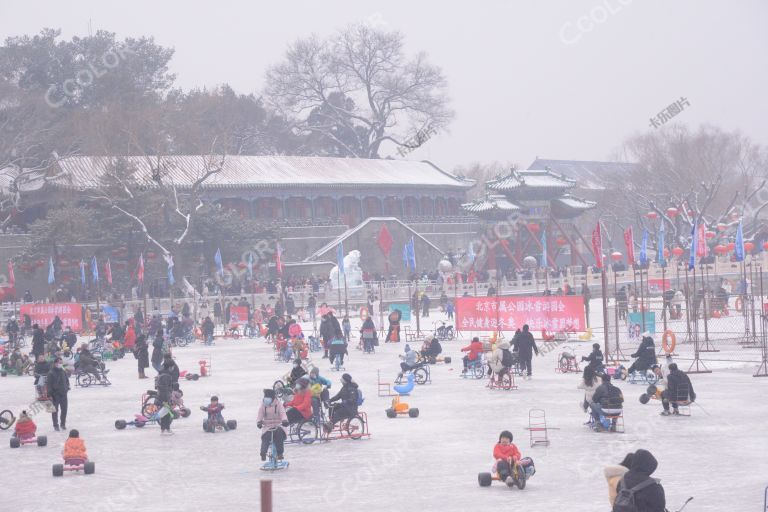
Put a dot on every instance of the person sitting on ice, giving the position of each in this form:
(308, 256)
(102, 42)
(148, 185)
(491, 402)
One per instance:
(25, 427)
(506, 456)
(501, 359)
(74, 447)
(595, 357)
(348, 397)
(409, 360)
(679, 389)
(607, 400)
(431, 348)
(214, 412)
(296, 372)
(646, 355)
(475, 348)
(300, 407)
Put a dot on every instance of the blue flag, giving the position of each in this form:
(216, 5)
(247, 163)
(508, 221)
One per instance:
(544, 249)
(340, 257)
(694, 248)
(739, 250)
(660, 256)
(169, 260)
(405, 255)
(219, 263)
(95, 270)
(250, 265)
(51, 272)
(412, 254)
(82, 272)
(644, 249)
(471, 252)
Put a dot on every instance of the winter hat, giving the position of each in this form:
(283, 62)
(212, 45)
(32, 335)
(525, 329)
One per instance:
(314, 371)
(303, 382)
(407, 347)
(596, 346)
(507, 434)
(297, 362)
(346, 378)
(214, 398)
(672, 367)
(269, 393)
(23, 415)
(74, 433)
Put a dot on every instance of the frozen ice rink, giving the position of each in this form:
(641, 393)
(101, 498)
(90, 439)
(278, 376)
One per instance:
(718, 455)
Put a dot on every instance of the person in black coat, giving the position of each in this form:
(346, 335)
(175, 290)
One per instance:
(679, 389)
(650, 498)
(157, 351)
(38, 341)
(170, 365)
(607, 399)
(347, 397)
(646, 355)
(525, 347)
(58, 387)
(164, 388)
(141, 353)
(595, 358)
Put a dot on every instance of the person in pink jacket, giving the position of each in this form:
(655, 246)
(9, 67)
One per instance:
(272, 421)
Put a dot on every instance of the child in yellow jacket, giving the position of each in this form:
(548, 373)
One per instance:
(74, 447)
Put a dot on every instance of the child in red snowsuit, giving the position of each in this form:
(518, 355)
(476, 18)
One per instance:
(506, 455)
(25, 427)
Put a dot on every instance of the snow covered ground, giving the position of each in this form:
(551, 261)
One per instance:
(718, 455)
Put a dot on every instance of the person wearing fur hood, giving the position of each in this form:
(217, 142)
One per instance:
(613, 475)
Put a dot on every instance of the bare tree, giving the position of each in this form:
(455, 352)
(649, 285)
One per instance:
(357, 90)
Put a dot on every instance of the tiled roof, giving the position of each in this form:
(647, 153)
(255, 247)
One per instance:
(530, 178)
(575, 203)
(490, 202)
(588, 174)
(83, 172)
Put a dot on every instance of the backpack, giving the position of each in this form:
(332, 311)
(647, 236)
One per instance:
(360, 398)
(625, 499)
(506, 358)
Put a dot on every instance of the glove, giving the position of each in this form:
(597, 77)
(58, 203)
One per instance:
(260, 424)
(202, 408)
(285, 423)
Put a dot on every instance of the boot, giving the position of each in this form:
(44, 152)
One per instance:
(141, 374)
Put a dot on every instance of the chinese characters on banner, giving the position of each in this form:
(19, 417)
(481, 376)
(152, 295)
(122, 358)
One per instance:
(657, 285)
(238, 315)
(554, 314)
(71, 314)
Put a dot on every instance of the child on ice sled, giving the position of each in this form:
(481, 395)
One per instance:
(506, 456)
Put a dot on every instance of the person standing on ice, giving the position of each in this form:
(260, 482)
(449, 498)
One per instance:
(141, 353)
(58, 387)
(526, 346)
(164, 389)
(157, 351)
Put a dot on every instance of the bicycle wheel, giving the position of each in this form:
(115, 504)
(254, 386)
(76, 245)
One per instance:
(355, 427)
(450, 334)
(506, 380)
(149, 409)
(306, 431)
(6, 419)
(420, 375)
(84, 379)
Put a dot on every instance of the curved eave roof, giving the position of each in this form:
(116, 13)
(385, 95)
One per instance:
(490, 204)
(531, 179)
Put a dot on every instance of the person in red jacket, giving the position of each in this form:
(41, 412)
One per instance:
(507, 456)
(25, 427)
(475, 348)
(300, 408)
(214, 413)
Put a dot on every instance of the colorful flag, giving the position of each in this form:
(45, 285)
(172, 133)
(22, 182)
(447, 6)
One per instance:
(340, 257)
(544, 249)
(11, 275)
(108, 272)
(694, 248)
(405, 255)
(644, 249)
(597, 246)
(629, 241)
(140, 270)
(702, 250)
(471, 252)
(95, 270)
(82, 272)
(219, 263)
(739, 250)
(412, 254)
(660, 243)
(51, 271)
(169, 260)
(250, 265)
(279, 258)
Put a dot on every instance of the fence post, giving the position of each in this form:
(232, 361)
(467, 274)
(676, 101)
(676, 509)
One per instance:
(762, 370)
(266, 495)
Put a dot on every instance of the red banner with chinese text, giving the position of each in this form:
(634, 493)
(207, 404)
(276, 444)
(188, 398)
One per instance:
(238, 315)
(71, 314)
(555, 313)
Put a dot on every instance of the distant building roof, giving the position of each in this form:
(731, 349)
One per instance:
(569, 206)
(83, 172)
(588, 174)
(490, 202)
(530, 179)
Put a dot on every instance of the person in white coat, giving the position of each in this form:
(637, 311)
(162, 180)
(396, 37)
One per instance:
(589, 383)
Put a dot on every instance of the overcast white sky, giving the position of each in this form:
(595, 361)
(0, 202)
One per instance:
(524, 79)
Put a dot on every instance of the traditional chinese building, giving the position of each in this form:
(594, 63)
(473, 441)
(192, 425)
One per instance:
(533, 212)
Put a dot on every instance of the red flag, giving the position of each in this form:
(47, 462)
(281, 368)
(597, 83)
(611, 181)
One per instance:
(108, 272)
(597, 246)
(385, 244)
(140, 271)
(279, 259)
(629, 241)
(11, 276)
(701, 246)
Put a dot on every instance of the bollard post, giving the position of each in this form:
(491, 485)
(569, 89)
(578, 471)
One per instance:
(266, 495)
